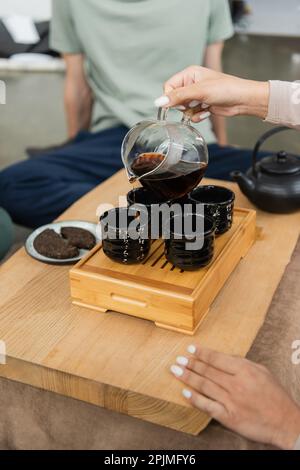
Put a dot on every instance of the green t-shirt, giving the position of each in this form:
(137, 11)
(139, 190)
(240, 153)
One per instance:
(133, 46)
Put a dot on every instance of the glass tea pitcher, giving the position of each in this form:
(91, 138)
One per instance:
(168, 158)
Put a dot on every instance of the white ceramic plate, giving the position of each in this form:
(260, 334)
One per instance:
(57, 226)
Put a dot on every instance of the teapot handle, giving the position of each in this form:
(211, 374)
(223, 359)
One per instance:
(262, 140)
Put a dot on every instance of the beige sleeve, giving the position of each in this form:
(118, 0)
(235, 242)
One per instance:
(284, 104)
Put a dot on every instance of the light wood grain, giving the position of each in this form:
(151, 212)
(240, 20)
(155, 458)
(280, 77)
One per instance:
(118, 361)
(155, 290)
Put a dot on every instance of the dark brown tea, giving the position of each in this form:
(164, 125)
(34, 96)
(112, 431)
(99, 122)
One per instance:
(175, 183)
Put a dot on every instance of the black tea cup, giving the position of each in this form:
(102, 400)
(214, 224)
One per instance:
(218, 204)
(125, 236)
(149, 200)
(190, 250)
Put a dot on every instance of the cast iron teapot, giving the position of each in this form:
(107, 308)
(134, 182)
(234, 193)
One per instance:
(273, 183)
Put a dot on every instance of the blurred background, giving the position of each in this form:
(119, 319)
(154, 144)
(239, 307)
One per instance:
(266, 46)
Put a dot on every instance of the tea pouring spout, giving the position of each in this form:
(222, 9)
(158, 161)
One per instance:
(132, 179)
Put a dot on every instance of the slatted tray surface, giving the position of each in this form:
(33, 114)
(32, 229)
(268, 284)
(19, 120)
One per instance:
(143, 289)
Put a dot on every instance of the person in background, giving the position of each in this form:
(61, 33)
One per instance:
(240, 394)
(117, 54)
(6, 233)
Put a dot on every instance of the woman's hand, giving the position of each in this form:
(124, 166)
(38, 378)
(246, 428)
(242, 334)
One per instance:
(241, 395)
(218, 93)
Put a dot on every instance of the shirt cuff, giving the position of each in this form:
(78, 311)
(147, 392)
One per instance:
(281, 107)
(65, 48)
(277, 97)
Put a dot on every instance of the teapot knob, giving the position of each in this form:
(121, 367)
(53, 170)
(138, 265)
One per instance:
(282, 156)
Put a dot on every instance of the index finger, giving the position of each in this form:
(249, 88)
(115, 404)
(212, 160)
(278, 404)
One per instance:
(221, 361)
(177, 81)
(185, 94)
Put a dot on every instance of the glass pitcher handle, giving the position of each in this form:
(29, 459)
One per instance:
(186, 118)
(187, 115)
(162, 114)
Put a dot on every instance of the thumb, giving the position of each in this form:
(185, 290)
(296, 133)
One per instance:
(181, 96)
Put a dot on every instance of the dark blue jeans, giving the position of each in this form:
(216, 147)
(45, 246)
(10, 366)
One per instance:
(35, 192)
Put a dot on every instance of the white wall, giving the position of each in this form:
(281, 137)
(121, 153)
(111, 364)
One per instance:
(274, 17)
(38, 9)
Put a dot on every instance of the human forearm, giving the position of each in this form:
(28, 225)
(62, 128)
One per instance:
(213, 61)
(78, 109)
(286, 437)
(78, 95)
(253, 99)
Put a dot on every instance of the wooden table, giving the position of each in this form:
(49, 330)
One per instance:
(120, 362)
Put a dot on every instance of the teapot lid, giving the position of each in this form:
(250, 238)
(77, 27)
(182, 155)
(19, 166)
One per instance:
(280, 164)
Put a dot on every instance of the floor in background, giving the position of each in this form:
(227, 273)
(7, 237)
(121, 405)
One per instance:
(34, 114)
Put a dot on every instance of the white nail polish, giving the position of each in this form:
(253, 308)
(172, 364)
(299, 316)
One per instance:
(192, 349)
(182, 361)
(181, 108)
(194, 103)
(205, 106)
(162, 101)
(176, 370)
(205, 116)
(187, 393)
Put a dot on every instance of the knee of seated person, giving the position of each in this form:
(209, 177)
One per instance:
(12, 194)
(7, 182)
(7, 233)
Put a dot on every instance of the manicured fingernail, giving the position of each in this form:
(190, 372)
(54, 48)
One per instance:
(176, 370)
(204, 116)
(187, 393)
(162, 101)
(182, 361)
(205, 106)
(192, 349)
(194, 103)
(181, 108)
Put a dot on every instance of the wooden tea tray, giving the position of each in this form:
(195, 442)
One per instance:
(122, 363)
(155, 290)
